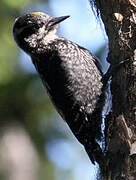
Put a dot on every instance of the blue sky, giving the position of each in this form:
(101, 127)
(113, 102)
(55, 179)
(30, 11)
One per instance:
(82, 27)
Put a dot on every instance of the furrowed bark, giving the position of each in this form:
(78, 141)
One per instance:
(119, 17)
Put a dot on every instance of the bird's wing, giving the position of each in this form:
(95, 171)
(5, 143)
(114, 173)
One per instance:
(95, 60)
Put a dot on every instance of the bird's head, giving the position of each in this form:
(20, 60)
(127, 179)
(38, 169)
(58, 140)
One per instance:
(29, 29)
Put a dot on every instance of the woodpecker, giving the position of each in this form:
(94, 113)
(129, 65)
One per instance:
(71, 75)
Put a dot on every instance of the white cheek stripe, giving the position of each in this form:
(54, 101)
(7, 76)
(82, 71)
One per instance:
(51, 35)
(42, 30)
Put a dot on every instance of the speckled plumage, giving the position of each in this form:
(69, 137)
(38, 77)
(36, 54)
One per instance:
(70, 73)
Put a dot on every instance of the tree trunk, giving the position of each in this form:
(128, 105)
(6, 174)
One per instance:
(119, 17)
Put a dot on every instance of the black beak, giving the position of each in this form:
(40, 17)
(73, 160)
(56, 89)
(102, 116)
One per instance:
(57, 20)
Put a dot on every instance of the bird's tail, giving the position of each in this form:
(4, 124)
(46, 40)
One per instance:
(95, 154)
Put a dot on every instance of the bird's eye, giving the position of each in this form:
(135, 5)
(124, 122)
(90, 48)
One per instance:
(33, 26)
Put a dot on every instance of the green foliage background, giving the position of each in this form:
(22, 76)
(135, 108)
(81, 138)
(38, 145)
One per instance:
(20, 100)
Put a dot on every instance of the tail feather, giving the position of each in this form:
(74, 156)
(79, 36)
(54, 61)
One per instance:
(95, 153)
